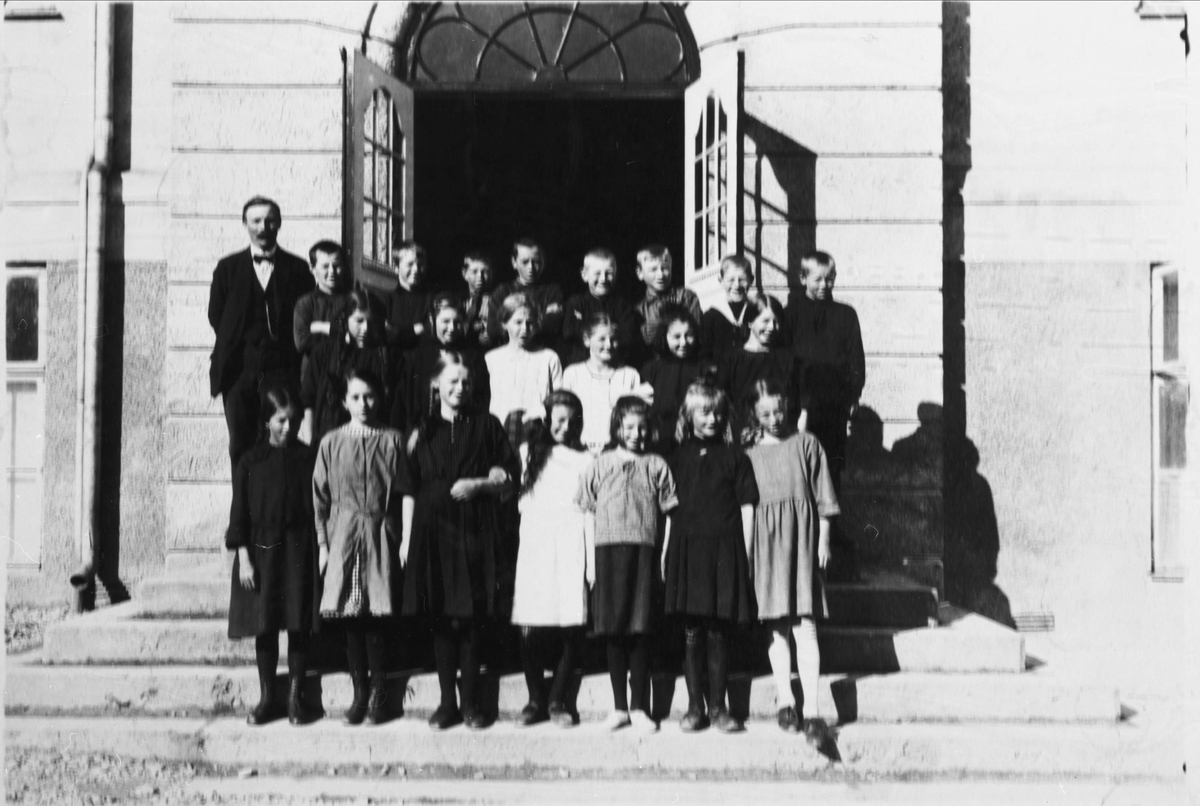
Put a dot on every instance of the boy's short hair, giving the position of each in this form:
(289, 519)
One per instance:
(738, 261)
(476, 256)
(408, 246)
(822, 259)
(654, 251)
(526, 242)
(326, 248)
(600, 253)
(261, 201)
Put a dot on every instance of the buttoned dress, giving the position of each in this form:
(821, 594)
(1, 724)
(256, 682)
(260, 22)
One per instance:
(359, 484)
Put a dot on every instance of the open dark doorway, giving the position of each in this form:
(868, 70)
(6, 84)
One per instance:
(572, 173)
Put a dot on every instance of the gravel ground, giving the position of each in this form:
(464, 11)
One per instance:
(24, 626)
(54, 777)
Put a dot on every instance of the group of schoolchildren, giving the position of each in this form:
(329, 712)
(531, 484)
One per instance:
(447, 436)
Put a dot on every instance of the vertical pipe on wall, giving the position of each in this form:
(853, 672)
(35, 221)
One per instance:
(94, 190)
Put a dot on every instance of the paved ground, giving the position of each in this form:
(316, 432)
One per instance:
(57, 777)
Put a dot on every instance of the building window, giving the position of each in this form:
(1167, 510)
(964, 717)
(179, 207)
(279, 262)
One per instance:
(22, 439)
(1170, 395)
(712, 203)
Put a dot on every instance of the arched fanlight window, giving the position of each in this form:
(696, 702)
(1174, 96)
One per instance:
(576, 45)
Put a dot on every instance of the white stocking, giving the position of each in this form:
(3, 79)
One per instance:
(780, 655)
(808, 663)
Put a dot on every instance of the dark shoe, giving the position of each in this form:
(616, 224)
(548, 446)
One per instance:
(475, 719)
(789, 720)
(376, 704)
(298, 713)
(694, 720)
(560, 716)
(723, 721)
(531, 714)
(816, 732)
(357, 711)
(265, 711)
(445, 717)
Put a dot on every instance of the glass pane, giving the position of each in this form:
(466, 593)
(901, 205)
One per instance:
(369, 231)
(710, 175)
(22, 319)
(698, 240)
(369, 190)
(722, 229)
(710, 239)
(383, 118)
(383, 180)
(1172, 423)
(722, 126)
(1170, 303)
(383, 241)
(722, 174)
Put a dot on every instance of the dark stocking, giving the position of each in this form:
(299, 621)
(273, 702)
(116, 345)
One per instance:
(266, 653)
(468, 662)
(639, 655)
(297, 654)
(531, 663)
(618, 672)
(445, 656)
(718, 666)
(693, 667)
(565, 666)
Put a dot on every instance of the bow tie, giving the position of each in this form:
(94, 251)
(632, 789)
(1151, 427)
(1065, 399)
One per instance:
(263, 259)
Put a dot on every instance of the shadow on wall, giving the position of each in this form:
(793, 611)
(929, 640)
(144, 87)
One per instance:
(895, 514)
(795, 169)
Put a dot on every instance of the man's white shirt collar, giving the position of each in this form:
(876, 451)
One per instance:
(264, 269)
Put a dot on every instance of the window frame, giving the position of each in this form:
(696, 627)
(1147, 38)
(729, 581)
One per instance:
(1164, 371)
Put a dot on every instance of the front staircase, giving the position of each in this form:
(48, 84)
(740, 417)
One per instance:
(910, 685)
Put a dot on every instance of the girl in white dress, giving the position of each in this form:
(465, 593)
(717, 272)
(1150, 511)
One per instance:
(521, 374)
(601, 381)
(555, 563)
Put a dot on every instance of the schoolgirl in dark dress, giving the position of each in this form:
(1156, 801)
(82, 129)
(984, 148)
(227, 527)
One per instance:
(275, 569)
(705, 564)
(459, 461)
(359, 345)
(446, 331)
(676, 367)
(762, 358)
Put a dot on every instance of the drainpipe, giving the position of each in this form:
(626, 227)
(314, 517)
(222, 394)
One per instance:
(94, 193)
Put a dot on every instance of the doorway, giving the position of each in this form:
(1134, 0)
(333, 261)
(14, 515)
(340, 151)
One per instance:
(573, 174)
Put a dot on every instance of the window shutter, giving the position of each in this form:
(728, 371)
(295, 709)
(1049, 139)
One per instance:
(378, 202)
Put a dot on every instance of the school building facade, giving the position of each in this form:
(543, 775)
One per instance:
(1004, 190)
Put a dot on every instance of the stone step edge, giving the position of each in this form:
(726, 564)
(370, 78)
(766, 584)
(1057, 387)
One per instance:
(1102, 752)
(900, 696)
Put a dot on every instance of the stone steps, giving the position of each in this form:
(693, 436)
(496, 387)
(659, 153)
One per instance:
(1106, 752)
(124, 633)
(33, 688)
(880, 600)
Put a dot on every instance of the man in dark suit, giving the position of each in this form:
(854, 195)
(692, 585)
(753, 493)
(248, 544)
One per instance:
(250, 308)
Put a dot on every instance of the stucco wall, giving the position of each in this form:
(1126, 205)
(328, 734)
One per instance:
(1076, 187)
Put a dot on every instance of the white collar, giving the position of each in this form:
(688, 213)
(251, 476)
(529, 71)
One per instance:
(722, 305)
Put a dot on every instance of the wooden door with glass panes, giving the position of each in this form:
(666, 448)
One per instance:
(379, 192)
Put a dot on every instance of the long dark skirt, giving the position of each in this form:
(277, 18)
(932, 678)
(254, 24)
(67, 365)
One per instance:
(624, 595)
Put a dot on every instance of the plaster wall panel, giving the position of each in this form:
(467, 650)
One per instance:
(186, 379)
(197, 449)
(217, 184)
(868, 255)
(836, 122)
(187, 316)
(295, 120)
(198, 516)
(846, 56)
(896, 387)
(256, 51)
(865, 189)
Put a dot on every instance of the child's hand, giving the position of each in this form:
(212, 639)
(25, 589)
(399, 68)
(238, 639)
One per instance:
(245, 569)
(304, 432)
(404, 553)
(823, 553)
(464, 489)
(802, 423)
(646, 392)
(498, 476)
(322, 560)
(418, 329)
(589, 574)
(554, 307)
